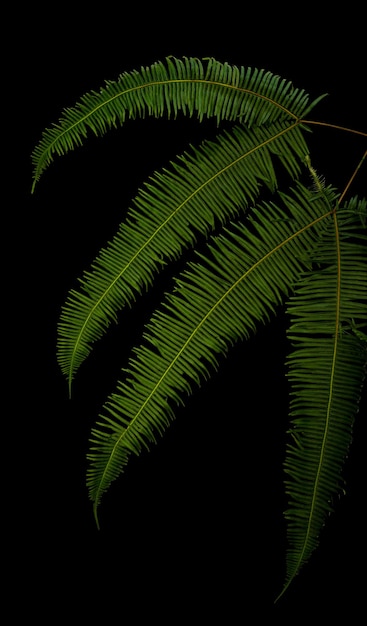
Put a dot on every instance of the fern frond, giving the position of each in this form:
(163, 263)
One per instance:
(201, 190)
(327, 368)
(220, 299)
(206, 88)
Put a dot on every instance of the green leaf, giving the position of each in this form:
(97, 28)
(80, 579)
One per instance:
(327, 369)
(199, 192)
(205, 88)
(218, 300)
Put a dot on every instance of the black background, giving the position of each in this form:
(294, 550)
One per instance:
(193, 531)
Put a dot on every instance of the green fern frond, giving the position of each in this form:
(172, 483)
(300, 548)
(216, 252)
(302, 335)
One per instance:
(249, 269)
(327, 369)
(205, 87)
(303, 251)
(201, 190)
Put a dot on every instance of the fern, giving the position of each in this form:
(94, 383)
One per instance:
(217, 301)
(202, 190)
(327, 371)
(211, 90)
(258, 245)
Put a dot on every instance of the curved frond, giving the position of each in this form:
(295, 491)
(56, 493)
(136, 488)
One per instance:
(201, 190)
(327, 368)
(218, 300)
(205, 88)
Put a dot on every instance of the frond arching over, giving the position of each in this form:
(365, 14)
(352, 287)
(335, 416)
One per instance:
(207, 88)
(327, 368)
(218, 300)
(201, 190)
